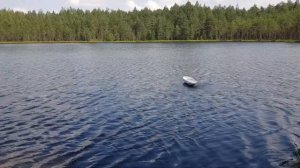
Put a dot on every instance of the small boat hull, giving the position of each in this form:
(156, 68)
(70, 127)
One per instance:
(189, 81)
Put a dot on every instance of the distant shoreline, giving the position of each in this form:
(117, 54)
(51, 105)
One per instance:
(146, 41)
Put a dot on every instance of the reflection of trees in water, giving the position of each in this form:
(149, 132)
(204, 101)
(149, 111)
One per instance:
(293, 163)
(297, 153)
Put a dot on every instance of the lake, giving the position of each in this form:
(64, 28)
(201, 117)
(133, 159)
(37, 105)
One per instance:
(124, 105)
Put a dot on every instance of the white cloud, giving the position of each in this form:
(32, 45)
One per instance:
(131, 4)
(152, 5)
(20, 10)
(85, 3)
(170, 3)
(74, 2)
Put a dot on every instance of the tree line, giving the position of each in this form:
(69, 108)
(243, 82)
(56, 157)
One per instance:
(185, 22)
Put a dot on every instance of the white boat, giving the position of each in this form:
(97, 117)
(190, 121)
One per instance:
(189, 81)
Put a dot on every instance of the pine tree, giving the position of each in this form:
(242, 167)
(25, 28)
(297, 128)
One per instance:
(187, 21)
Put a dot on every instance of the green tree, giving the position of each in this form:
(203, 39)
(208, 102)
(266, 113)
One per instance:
(185, 22)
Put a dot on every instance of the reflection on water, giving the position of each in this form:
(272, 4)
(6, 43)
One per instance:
(124, 105)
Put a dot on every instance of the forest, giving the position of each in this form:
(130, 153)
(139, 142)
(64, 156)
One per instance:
(179, 22)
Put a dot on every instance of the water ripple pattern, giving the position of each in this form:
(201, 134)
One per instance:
(124, 105)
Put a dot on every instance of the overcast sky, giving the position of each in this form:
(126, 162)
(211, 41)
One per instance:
(56, 5)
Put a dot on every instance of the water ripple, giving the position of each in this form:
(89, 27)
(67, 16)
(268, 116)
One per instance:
(123, 105)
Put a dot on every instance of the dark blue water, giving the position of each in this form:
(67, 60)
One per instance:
(124, 105)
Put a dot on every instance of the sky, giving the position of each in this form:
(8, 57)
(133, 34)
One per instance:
(56, 5)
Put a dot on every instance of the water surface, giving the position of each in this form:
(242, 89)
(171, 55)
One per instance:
(124, 105)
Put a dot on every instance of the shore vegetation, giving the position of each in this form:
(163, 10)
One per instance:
(188, 22)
